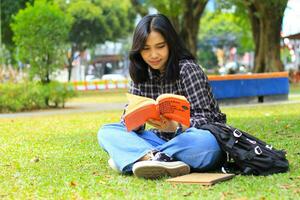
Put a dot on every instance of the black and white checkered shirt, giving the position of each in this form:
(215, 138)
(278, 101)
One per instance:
(193, 84)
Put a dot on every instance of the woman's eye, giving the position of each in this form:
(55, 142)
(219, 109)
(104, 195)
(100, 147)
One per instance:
(161, 46)
(145, 48)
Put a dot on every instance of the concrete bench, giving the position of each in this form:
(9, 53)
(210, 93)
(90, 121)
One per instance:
(246, 88)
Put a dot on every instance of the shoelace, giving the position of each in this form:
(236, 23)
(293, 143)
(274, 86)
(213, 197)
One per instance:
(151, 155)
(160, 156)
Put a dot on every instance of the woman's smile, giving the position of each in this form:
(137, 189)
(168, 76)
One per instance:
(154, 62)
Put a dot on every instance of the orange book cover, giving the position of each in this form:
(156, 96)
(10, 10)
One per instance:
(140, 109)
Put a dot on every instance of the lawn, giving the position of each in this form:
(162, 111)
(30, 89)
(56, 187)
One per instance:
(295, 88)
(101, 96)
(57, 157)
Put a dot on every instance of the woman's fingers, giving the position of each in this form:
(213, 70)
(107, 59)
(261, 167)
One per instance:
(155, 123)
(164, 124)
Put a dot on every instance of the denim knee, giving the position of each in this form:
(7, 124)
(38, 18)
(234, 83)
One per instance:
(197, 148)
(105, 132)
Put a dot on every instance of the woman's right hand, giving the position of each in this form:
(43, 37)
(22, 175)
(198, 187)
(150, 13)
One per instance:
(155, 123)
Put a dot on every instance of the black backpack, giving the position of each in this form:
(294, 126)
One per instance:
(247, 154)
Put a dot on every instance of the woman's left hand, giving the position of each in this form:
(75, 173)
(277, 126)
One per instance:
(164, 124)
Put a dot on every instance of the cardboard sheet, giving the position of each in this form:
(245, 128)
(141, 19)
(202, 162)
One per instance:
(201, 178)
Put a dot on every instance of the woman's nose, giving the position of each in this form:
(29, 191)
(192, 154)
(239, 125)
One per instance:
(153, 54)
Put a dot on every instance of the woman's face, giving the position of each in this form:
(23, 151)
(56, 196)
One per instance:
(156, 51)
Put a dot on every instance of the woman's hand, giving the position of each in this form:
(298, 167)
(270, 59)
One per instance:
(164, 124)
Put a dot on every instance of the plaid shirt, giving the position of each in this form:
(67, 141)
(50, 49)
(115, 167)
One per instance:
(193, 84)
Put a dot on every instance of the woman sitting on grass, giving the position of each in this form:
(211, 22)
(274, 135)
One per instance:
(159, 63)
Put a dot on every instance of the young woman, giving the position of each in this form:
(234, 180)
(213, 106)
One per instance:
(159, 63)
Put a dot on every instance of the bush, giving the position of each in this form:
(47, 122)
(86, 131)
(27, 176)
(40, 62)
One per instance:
(31, 96)
(57, 93)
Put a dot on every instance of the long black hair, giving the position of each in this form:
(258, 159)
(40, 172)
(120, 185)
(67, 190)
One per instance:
(138, 68)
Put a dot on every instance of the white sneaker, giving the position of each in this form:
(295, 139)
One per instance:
(113, 165)
(155, 169)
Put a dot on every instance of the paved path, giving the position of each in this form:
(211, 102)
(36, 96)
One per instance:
(69, 108)
(98, 107)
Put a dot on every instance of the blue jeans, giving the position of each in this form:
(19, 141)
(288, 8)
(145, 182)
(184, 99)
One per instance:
(195, 147)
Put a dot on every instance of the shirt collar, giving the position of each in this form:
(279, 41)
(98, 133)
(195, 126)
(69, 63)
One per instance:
(155, 74)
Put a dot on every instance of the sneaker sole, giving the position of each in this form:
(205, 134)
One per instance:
(156, 169)
(113, 166)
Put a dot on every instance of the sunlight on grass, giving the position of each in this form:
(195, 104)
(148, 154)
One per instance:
(294, 97)
(295, 88)
(114, 96)
(58, 157)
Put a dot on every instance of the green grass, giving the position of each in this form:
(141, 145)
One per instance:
(101, 96)
(58, 157)
(295, 88)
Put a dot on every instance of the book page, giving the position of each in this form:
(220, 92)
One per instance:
(167, 95)
(135, 102)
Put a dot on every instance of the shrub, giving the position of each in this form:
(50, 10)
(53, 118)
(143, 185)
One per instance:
(57, 93)
(31, 96)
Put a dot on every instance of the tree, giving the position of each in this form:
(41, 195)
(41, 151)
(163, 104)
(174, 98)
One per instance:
(40, 33)
(266, 20)
(94, 22)
(184, 14)
(8, 9)
(223, 29)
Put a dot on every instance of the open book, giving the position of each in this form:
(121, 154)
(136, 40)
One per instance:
(171, 106)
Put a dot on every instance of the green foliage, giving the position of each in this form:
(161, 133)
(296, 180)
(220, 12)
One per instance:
(40, 32)
(274, 7)
(119, 16)
(57, 93)
(207, 57)
(169, 8)
(19, 97)
(58, 157)
(8, 9)
(32, 95)
(95, 22)
(88, 26)
(226, 29)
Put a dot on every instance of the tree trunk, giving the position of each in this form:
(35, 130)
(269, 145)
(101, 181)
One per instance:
(70, 66)
(268, 54)
(254, 20)
(193, 10)
(70, 62)
(266, 20)
(176, 23)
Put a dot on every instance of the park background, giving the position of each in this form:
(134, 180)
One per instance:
(48, 145)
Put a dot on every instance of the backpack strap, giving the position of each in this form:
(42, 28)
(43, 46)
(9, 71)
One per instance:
(231, 142)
